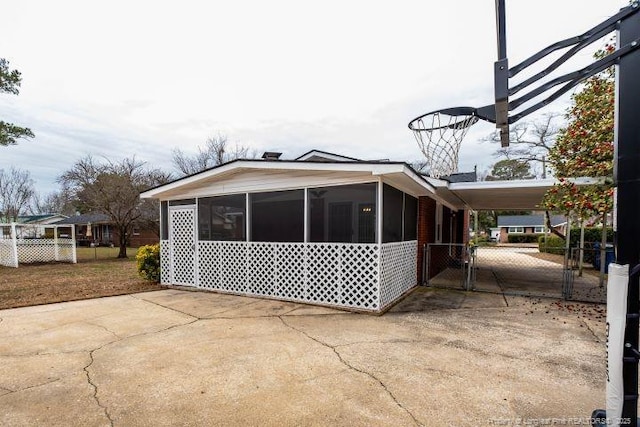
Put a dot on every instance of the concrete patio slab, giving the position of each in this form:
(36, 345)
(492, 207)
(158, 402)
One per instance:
(176, 357)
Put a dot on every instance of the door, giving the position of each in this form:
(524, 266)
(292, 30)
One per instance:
(182, 243)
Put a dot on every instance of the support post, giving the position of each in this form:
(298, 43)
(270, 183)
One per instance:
(56, 245)
(379, 219)
(567, 260)
(581, 249)
(14, 249)
(627, 176)
(73, 244)
(603, 248)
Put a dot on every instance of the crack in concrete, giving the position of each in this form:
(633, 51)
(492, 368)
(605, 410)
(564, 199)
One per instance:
(350, 366)
(92, 359)
(10, 391)
(591, 330)
(168, 308)
(41, 353)
(217, 315)
(94, 386)
(106, 329)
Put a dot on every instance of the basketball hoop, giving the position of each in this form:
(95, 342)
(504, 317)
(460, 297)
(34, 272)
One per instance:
(439, 135)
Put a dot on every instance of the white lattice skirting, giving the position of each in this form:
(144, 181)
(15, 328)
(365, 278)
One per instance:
(45, 250)
(360, 276)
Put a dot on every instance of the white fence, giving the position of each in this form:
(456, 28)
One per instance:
(362, 276)
(30, 243)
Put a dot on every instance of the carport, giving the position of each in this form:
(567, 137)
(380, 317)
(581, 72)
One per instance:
(514, 269)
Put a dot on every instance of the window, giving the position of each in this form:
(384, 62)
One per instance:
(277, 216)
(516, 230)
(222, 218)
(164, 221)
(410, 217)
(538, 229)
(345, 213)
(392, 205)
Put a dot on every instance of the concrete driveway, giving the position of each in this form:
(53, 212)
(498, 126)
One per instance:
(176, 357)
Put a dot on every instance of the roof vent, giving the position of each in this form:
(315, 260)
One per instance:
(271, 155)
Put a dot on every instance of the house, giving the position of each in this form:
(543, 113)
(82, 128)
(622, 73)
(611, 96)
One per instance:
(527, 224)
(97, 230)
(34, 239)
(34, 225)
(322, 229)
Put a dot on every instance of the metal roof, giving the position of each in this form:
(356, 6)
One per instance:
(86, 218)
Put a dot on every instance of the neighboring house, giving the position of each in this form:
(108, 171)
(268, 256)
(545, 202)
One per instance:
(97, 230)
(527, 224)
(35, 225)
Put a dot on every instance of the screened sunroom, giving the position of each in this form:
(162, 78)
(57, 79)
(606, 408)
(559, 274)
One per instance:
(328, 233)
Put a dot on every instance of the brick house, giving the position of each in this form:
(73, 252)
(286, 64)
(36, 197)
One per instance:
(97, 230)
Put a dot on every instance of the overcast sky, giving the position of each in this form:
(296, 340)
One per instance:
(125, 78)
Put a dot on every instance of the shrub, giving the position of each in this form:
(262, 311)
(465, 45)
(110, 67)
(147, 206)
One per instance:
(148, 260)
(554, 245)
(522, 238)
(591, 234)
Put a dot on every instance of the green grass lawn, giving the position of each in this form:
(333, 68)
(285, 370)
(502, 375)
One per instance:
(102, 252)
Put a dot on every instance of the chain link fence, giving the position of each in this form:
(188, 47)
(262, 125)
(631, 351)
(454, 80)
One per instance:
(525, 270)
(450, 265)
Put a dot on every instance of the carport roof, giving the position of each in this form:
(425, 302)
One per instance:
(523, 194)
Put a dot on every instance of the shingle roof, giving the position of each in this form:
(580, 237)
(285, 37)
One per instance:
(528, 220)
(331, 156)
(461, 177)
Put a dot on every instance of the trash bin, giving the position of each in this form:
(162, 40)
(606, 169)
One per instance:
(610, 256)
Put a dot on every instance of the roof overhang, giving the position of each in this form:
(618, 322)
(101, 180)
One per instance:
(398, 174)
(483, 195)
(501, 195)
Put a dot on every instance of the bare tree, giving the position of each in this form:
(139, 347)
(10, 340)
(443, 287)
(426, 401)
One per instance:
(113, 188)
(530, 141)
(216, 151)
(54, 202)
(16, 190)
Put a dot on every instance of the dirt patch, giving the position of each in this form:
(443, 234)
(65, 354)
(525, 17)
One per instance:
(32, 284)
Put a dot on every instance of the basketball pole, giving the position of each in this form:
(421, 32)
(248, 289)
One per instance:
(627, 177)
